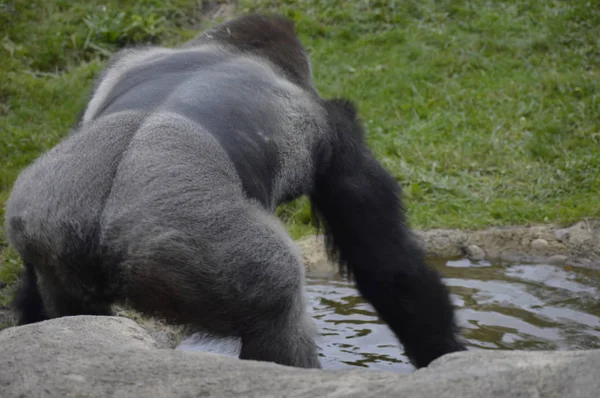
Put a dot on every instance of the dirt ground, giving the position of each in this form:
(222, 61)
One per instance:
(575, 245)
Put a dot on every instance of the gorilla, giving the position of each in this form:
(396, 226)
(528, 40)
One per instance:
(162, 198)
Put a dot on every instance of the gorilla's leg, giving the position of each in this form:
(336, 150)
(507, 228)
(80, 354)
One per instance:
(230, 271)
(42, 296)
(284, 339)
(28, 302)
(359, 202)
(60, 301)
(277, 327)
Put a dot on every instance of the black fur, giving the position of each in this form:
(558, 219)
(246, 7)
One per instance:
(273, 37)
(28, 302)
(362, 215)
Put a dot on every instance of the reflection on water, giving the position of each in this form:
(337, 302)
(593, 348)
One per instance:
(530, 307)
(350, 332)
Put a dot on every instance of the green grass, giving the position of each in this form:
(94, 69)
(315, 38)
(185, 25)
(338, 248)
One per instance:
(487, 112)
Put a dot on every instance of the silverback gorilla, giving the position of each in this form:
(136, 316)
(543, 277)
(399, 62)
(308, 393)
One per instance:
(163, 199)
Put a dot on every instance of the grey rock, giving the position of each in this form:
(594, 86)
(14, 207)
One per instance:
(442, 243)
(475, 253)
(561, 234)
(539, 244)
(558, 259)
(88, 356)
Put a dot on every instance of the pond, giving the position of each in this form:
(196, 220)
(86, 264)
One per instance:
(507, 307)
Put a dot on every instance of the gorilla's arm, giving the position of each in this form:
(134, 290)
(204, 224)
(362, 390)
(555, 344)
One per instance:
(360, 208)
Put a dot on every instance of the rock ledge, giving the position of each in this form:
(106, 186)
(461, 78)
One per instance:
(87, 356)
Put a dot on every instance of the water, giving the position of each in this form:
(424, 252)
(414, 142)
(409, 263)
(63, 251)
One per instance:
(508, 307)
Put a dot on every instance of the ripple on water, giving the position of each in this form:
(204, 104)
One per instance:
(530, 307)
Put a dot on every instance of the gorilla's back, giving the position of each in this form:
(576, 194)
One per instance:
(242, 102)
(166, 130)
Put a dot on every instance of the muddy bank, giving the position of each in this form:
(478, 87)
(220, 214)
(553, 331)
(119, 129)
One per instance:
(576, 245)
